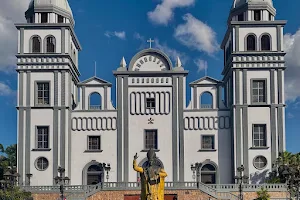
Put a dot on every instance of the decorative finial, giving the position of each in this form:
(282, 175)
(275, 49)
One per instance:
(123, 63)
(178, 62)
(150, 42)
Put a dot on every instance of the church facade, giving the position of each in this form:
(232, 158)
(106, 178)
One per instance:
(59, 125)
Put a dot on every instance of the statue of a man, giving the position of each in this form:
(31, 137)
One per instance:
(152, 178)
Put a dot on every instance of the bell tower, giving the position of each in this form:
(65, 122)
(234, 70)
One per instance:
(253, 78)
(47, 66)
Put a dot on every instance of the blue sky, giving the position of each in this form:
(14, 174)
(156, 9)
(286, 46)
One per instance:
(109, 30)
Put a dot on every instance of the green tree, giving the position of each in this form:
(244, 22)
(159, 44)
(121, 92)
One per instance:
(8, 158)
(15, 193)
(263, 194)
(285, 159)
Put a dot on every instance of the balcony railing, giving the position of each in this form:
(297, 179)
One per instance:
(206, 106)
(168, 186)
(94, 107)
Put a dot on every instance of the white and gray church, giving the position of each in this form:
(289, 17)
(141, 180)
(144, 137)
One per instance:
(58, 125)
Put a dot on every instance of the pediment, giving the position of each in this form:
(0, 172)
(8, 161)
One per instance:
(95, 81)
(206, 81)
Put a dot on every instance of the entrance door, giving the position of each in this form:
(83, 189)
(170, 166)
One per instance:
(171, 197)
(132, 197)
(94, 175)
(137, 197)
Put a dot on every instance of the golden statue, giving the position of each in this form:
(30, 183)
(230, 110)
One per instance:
(152, 177)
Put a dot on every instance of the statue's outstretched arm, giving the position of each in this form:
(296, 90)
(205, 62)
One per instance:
(137, 168)
(163, 173)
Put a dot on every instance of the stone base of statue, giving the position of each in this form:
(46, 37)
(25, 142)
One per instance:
(152, 178)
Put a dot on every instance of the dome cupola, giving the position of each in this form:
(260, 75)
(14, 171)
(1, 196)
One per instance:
(49, 11)
(238, 3)
(252, 10)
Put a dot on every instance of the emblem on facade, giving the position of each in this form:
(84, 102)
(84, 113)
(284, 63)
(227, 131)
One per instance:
(150, 121)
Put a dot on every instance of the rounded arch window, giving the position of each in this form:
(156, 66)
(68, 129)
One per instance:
(251, 43)
(36, 44)
(206, 100)
(260, 162)
(50, 44)
(208, 174)
(42, 163)
(95, 101)
(265, 43)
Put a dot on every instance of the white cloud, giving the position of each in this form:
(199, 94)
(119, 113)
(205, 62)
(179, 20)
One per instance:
(201, 65)
(142, 39)
(5, 90)
(121, 35)
(172, 53)
(290, 115)
(164, 12)
(292, 73)
(197, 35)
(11, 11)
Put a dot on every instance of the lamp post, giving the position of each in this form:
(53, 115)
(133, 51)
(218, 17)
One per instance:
(62, 181)
(29, 175)
(11, 178)
(241, 178)
(107, 168)
(196, 170)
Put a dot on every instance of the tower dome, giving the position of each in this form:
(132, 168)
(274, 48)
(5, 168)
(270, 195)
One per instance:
(63, 5)
(238, 3)
(58, 11)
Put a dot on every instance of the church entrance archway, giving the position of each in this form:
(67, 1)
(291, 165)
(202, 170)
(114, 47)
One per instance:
(93, 173)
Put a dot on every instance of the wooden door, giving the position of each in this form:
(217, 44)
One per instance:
(171, 197)
(137, 197)
(132, 197)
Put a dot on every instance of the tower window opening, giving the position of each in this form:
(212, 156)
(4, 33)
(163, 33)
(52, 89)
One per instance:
(44, 17)
(60, 19)
(36, 44)
(95, 101)
(265, 43)
(206, 101)
(50, 44)
(251, 43)
(241, 17)
(257, 15)
(270, 16)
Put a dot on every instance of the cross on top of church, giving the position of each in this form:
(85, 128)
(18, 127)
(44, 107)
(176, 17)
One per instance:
(150, 42)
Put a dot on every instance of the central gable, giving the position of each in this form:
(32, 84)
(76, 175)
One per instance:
(150, 60)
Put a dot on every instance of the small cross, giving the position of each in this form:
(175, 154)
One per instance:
(150, 41)
(150, 121)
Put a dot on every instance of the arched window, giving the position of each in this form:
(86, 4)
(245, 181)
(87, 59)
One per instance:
(36, 44)
(95, 101)
(206, 100)
(50, 44)
(265, 43)
(208, 174)
(94, 175)
(251, 43)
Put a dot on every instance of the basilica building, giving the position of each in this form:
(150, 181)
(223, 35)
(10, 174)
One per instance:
(59, 125)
